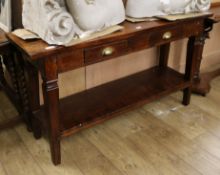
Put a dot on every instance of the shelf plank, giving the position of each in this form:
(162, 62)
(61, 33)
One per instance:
(96, 105)
(101, 103)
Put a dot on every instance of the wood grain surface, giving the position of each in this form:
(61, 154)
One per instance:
(160, 138)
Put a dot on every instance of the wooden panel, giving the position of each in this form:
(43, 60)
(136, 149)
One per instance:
(70, 82)
(97, 74)
(15, 158)
(69, 60)
(2, 171)
(88, 158)
(127, 143)
(120, 153)
(130, 129)
(215, 3)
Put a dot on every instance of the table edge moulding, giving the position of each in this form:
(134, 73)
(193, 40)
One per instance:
(63, 117)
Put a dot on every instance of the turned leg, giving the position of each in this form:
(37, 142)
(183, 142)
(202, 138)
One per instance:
(10, 62)
(51, 102)
(12, 91)
(194, 49)
(201, 85)
(196, 77)
(187, 96)
(22, 89)
(164, 55)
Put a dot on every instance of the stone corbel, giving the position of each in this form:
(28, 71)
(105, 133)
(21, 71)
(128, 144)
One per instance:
(50, 20)
(150, 8)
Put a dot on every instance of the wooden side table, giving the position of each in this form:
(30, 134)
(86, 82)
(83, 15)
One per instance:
(63, 117)
(202, 82)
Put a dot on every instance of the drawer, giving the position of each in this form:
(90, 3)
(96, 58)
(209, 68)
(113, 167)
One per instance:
(165, 34)
(171, 33)
(154, 37)
(104, 52)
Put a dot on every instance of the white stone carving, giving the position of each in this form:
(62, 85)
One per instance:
(198, 5)
(94, 15)
(149, 8)
(50, 20)
(184, 6)
(143, 8)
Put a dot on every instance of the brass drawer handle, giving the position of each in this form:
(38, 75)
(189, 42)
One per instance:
(167, 35)
(108, 51)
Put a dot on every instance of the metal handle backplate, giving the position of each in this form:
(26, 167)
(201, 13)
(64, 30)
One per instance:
(108, 51)
(167, 35)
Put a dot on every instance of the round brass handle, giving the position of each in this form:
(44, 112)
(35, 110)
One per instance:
(167, 35)
(108, 51)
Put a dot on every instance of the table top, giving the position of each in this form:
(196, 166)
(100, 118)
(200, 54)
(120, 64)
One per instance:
(37, 49)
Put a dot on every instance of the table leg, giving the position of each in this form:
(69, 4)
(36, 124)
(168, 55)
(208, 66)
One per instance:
(164, 55)
(23, 90)
(51, 102)
(194, 49)
(34, 98)
(9, 61)
(197, 84)
(12, 90)
(201, 84)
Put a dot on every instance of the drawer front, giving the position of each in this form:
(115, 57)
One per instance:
(165, 35)
(104, 52)
(169, 34)
(155, 37)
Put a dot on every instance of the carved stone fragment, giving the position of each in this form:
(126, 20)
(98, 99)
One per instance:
(50, 20)
(94, 15)
(54, 24)
(150, 8)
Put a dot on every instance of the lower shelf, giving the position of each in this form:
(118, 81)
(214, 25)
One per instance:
(98, 104)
